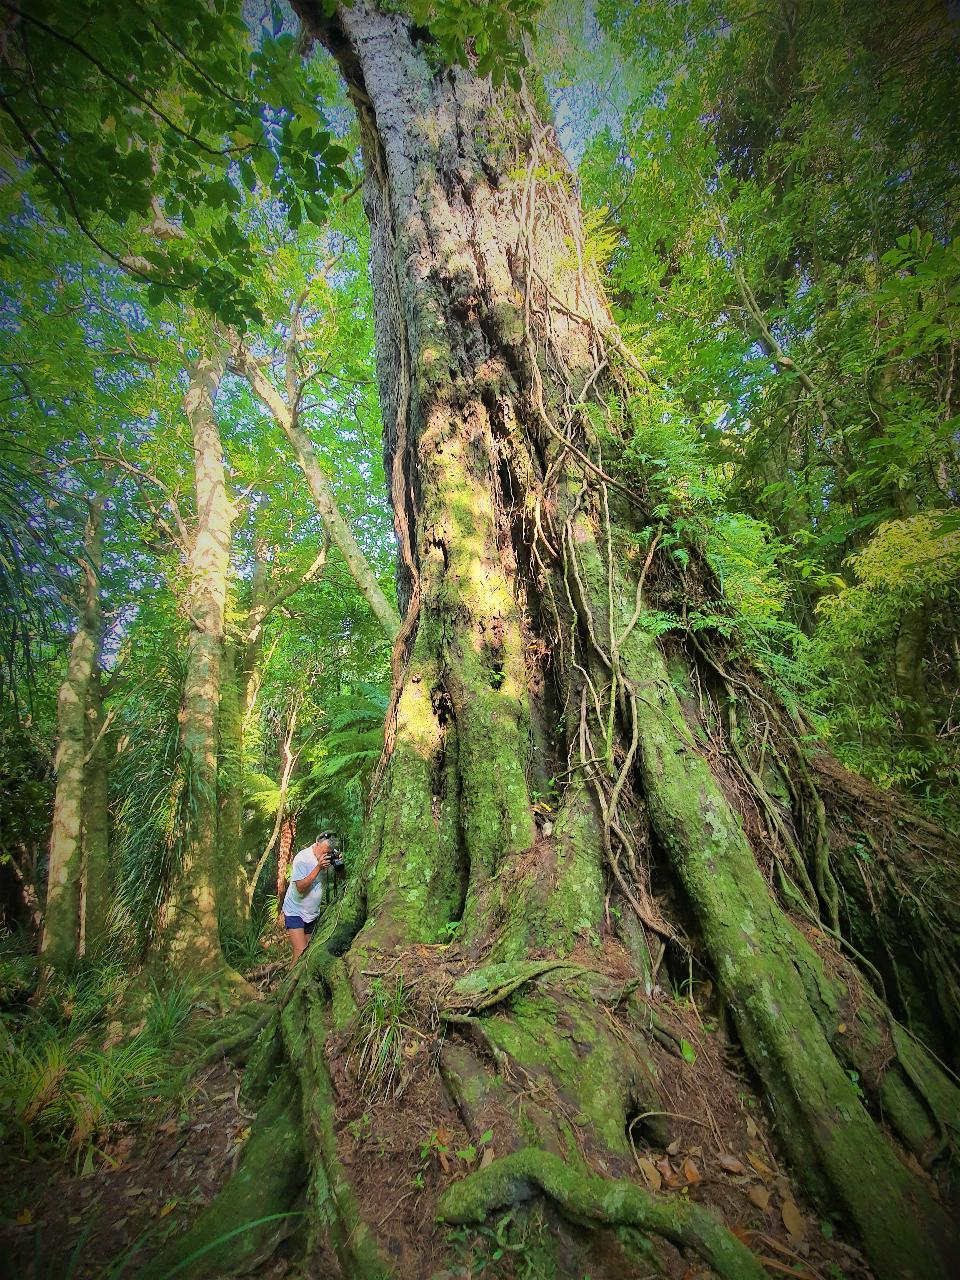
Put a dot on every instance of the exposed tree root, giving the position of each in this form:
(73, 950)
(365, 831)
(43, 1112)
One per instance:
(582, 1195)
(255, 1208)
(238, 1043)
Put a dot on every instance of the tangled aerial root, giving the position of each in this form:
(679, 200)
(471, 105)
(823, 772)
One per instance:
(606, 1201)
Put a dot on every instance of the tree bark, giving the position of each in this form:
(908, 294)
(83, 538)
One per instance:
(97, 882)
(529, 658)
(231, 911)
(189, 936)
(60, 941)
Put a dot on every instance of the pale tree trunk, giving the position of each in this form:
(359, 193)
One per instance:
(533, 578)
(97, 885)
(241, 672)
(229, 848)
(282, 821)
(189, 937)
(60, 942)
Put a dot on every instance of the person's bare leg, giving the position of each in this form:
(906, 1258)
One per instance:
(298, 943)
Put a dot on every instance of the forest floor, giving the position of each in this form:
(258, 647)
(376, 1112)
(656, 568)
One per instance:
(150, 1180)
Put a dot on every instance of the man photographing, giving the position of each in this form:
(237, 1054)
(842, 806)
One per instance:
(304, 896)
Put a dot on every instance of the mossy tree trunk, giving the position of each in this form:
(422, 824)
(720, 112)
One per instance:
(188, 941)
(530, 667)
(62, 924)
(97, 880)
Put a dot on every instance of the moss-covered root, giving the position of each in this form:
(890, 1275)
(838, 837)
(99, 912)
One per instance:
(236, 1041)
(255, 1207)
(611, 1203)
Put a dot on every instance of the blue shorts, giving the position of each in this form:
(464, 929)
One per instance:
(297, 922)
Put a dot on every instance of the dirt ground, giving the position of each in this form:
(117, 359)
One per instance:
(153, 1179)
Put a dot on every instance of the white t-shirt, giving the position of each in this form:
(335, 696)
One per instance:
(305, 905)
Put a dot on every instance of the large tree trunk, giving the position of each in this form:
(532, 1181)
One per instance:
(62, 916)
(530, 662)
(189, 938)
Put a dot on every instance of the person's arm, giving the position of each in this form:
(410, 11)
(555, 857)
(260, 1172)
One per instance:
(304, 884)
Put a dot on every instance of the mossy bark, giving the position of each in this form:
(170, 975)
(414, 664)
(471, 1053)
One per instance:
(231, 898)
(188, 940)
(61, 938)
(97, 877)
(551, 776)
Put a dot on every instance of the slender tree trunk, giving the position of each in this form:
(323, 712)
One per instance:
(288, 828)
(229, 848)
(533, 576)
(97, 885)
(61, 929)
(189, 938)
(241, 682)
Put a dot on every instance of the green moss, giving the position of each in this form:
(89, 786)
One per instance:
(555, 1044)
(507, 319)
(581, 1194)
(760, 960)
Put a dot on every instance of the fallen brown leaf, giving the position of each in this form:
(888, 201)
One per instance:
(764, 1170)
(730, 1164)
(651, 1174)
(487, 1157)
(690, 1170)
(794, 1222)
(760, 1197)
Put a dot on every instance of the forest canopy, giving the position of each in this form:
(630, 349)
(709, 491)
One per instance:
(523, 441)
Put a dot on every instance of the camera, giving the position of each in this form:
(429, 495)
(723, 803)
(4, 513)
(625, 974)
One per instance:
(336, 852)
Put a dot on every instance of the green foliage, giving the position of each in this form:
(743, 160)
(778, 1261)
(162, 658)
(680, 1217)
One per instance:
(147, 781)
(489, 34)
(111, 111)
(245, 950)
(343, 759)
(517, 1246)
(377, 1041)
(787, 267)
(71, 1074)
(907, 566)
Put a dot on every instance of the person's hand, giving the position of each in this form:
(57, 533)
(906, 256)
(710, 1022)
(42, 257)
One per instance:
(323, 856)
